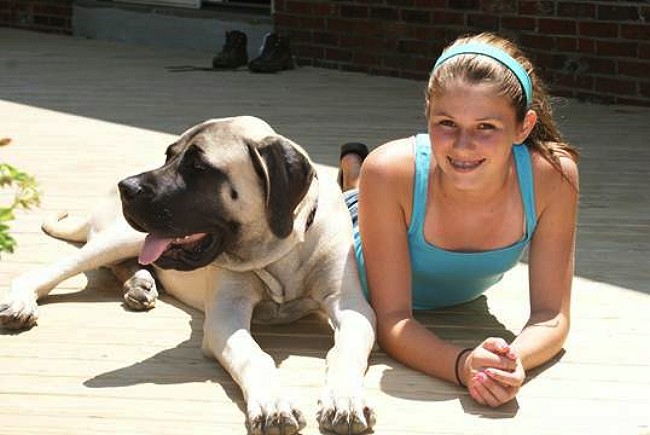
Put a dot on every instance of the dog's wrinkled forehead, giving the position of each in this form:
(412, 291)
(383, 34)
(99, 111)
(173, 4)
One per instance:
(223, 138)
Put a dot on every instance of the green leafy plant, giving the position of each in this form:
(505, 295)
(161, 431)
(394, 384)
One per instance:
(25, 195)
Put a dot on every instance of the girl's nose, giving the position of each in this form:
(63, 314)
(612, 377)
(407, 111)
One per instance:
(463, 140)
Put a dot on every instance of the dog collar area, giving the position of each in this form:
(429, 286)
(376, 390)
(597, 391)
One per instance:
(312, 215)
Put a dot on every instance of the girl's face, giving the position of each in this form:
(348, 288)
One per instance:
(472, 130)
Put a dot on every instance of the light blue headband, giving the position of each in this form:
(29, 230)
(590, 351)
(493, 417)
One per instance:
(497, 54)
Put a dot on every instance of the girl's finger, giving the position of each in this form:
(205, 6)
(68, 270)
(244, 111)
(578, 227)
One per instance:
(476, 395)
(512, 379)
(487, 358)
(494, 393)
(495, 344)
(499, 346)
(481, 387)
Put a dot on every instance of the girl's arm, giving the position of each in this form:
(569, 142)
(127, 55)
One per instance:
(384, 195)
(551, 266)
(551, 263)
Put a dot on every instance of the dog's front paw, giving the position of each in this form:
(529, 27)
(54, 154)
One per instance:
(345, 415)
(18, 312)
(140, 292)
(277, 418)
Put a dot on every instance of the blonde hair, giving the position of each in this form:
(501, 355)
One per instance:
(545, 138)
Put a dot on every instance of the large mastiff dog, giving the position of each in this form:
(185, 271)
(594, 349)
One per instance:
(237, 223)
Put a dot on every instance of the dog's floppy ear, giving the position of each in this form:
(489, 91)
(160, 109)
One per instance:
(286, 173)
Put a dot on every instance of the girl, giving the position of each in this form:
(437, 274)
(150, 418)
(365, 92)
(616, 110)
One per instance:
(442, 216)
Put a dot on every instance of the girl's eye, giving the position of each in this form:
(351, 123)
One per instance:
(446, 123)
(484, 126)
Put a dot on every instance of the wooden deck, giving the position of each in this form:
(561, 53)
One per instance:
(83, 114)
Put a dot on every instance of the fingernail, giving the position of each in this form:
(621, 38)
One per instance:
(480, 377)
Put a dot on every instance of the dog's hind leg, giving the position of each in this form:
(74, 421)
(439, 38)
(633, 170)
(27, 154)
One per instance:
(139, 285)
(67, 227)
(115, 243)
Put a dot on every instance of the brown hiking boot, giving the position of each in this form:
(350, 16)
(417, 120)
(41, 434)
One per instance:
(275, 56)
(234, 53)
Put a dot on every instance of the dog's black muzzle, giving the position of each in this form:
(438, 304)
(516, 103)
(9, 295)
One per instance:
(169, 210)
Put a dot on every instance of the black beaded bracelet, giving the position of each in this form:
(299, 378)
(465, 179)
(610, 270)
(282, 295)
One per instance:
(456, 371)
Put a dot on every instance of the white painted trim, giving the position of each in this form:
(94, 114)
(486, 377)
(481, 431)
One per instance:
(195, 4)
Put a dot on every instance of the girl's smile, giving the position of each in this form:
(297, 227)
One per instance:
(464, 165)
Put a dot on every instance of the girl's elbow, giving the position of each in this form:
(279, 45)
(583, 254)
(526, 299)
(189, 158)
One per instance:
(388, 330)
(565, 322)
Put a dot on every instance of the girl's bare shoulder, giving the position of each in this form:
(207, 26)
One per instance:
(391, 159)
(553, 182)
(387, 173)
(549, 173)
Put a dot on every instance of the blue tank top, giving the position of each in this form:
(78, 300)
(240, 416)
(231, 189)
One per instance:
(440, 277)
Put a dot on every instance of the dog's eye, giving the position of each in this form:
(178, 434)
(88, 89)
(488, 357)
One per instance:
(233, 194)
(199, 165)
(193, 164)
(193, 159)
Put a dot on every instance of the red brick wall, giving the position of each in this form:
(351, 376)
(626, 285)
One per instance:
(54, 16)
(592, 50)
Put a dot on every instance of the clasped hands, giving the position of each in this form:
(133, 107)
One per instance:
(492, 372)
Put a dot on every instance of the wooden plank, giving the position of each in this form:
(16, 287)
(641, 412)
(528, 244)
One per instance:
(93, 367)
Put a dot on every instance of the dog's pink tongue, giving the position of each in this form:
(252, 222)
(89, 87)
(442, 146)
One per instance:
(153, 248)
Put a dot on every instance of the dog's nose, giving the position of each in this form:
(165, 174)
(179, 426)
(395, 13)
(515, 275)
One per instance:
(131, 188)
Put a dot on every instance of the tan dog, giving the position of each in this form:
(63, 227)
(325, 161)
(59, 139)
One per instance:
(237, 223)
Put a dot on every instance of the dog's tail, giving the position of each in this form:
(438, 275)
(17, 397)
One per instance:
(70, 228)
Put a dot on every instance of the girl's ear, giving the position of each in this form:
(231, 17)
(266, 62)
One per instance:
(527, 126)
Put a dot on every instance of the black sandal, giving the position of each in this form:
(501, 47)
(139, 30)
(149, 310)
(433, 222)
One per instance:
(358, 148)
